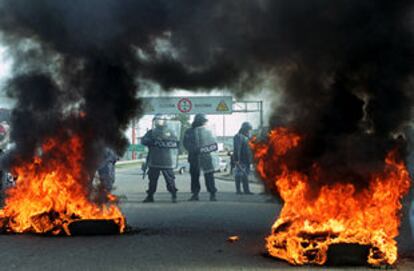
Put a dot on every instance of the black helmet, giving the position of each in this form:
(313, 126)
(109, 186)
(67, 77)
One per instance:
(159, 120)
(199, 120)
(158, 116)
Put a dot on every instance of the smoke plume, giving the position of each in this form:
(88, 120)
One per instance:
(344, 69)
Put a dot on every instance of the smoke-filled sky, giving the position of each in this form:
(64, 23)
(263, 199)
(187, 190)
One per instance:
(232, 122)
(343, 69)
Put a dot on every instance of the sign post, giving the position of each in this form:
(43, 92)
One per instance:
(212, 105)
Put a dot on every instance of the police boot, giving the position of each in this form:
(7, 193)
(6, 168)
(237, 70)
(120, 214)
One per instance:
(174, 197)
(149, 198)
(194, 197)
(213, 197)
(246, 187)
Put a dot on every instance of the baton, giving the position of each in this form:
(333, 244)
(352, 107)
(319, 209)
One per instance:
(242, 170)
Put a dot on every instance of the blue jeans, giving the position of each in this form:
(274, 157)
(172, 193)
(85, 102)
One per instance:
(241, 176)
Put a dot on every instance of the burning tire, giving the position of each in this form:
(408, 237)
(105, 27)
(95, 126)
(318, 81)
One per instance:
(340, 214)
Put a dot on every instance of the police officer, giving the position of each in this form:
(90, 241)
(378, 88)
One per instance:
(200, 144)
(106, 170)
(162, 156)
(242, 158)
(3, 145)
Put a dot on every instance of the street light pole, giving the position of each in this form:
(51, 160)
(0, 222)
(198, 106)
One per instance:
(224, 126)
(261, 113)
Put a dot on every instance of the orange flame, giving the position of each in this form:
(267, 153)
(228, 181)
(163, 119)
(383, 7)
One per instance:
(339, 214)
(52, 191)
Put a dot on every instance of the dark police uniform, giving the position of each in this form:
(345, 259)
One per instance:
(200, 144)
(162, 157)
(106, 170)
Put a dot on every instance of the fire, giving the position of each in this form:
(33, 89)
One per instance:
(307, 226)
(52, 191)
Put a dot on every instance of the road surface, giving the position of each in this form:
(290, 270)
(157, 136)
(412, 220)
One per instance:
(167, 236)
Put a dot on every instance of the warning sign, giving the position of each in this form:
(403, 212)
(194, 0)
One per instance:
(189, 105)
(222, 107)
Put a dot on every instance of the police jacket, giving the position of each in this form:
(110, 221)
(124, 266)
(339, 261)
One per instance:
(163, 148)
(109, 157)
(189, 143)
(148, 139)
(241, 153)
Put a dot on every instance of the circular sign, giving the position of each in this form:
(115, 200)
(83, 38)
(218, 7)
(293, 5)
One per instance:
(184, 105)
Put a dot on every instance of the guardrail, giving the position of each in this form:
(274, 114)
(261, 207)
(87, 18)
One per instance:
(141, 160)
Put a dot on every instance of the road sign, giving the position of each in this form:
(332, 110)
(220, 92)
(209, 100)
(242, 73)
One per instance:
(184, 105)
(212, 105)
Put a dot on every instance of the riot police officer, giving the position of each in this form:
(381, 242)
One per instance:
(242, 158)
(200, 144)
(162, 142)
(106, 169)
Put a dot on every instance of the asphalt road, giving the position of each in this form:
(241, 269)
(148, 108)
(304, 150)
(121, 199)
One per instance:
(167, 236)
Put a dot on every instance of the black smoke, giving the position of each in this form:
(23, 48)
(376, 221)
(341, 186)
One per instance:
(74, 70)
(344, 68)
